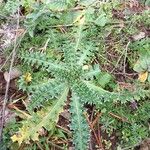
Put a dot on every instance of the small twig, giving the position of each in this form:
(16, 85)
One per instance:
(6, 61)
(20, 111)
(118, 61)
(97, 140)
(118, 117)
(96, 119)
(72, 9)
(126, 74)
(53, 144)
(22, 146)
(8, 83)
(92, 114)
(62, 30)
(91, 118)
(99, 136)
(66, 130)
(45, 45)
(125, 57)
(39, 145)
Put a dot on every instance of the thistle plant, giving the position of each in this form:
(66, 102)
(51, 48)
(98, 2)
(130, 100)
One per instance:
(71, 76)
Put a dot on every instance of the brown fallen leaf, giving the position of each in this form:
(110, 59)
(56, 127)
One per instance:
(139, 36)
(15, 73)
(133, 3)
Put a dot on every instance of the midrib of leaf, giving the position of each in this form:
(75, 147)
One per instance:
(42, 84)
(52, 65)
(78, 38)
(57, 107)
(79, 35)
(83, 57)
(45, 63)
(96, 88)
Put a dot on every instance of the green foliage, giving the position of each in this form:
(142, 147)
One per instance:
(133, 129)
(74, 70)
(12, 6)
(60, 52)
(10, 129)
(104, 79)
(143, 64)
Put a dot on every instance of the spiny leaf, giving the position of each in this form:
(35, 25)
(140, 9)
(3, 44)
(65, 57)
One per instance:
(102, 20)
(44, 91)
(47, 118)
(78, 124)
(92, 72)
(57, 5)
(143, 64)
(86, 53)
(41, 60)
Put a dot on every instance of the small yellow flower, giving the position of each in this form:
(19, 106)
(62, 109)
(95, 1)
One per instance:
(17, 138)
(27, 77)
